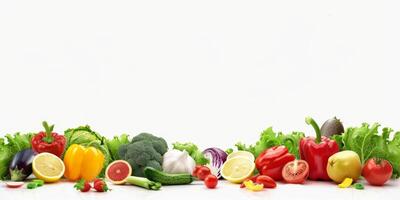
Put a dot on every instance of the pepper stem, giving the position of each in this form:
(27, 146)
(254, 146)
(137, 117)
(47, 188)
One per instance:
(311, 121)
(49, 132)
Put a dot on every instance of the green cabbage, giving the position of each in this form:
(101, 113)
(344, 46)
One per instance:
(85, 136)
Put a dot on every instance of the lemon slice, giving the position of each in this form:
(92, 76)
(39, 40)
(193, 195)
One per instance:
(48, 167)
(237, 169)
(246, 154)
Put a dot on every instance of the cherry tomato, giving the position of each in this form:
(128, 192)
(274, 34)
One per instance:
(295, 171)
(211, 181)
(203, 172)
(196, 170)
(377, 171)
(267, 181)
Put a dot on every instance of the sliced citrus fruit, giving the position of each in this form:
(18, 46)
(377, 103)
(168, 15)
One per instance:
(246, 154)
(237, 169)
(48, 167)
(118, 171)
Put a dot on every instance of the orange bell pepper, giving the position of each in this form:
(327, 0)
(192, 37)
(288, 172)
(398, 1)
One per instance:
(82, 163)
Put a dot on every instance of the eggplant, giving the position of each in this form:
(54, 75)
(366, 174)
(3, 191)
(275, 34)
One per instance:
(332, 127)
(21, 165)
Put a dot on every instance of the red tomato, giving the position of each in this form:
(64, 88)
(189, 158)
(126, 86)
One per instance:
(267, 181)
(203, 172)
(295, 171)
(196, 169)
(377, 171)
(211, 181)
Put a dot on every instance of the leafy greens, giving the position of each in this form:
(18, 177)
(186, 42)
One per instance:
(15, 143)
(368, 143)
(114, 144)
(268, 138)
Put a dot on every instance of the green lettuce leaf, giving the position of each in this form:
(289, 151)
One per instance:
(291, 141)
(365, 141)
(193, 151)
(368, 143)
(15, 143)
(393, 154)
(268, 138)
(114, 144)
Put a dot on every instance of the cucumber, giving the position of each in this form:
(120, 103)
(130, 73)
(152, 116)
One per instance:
(167, 179)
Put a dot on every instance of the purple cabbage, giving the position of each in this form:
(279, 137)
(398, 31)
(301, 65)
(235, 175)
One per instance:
(217, 157)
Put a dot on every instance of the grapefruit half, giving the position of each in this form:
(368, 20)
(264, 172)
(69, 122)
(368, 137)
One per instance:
(118, 171)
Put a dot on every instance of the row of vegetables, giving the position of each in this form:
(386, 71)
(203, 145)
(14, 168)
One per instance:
(83, 156)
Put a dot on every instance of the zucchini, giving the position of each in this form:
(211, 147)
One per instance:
(167, 179)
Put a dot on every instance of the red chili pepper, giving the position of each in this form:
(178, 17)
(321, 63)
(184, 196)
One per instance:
(267, 181)
(316, 152)
(48, 141)
(271, 161)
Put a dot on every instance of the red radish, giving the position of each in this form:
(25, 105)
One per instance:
(13, 184)
(118, 171)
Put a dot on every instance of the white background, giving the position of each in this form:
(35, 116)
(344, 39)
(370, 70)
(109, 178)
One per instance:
(210, 72)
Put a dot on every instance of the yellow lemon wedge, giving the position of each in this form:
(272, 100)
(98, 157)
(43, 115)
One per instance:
(48, 167)
(246, 154)
(237, 169)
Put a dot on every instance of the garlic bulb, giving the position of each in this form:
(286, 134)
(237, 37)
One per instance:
(176, 162)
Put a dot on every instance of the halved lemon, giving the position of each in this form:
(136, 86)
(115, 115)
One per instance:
(246, 154)
(237, 169)
(48, 167)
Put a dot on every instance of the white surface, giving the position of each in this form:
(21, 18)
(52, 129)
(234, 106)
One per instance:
(210, 72)
(225, 190)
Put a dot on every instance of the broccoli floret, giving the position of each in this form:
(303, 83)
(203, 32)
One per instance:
(144, 150)
(159, 144)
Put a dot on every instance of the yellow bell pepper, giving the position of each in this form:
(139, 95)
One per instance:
(346, 183)
(253, 186)
(82, 163)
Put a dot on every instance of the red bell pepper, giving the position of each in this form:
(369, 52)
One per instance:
(316, 152)
(271, 161)
(48, 141)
